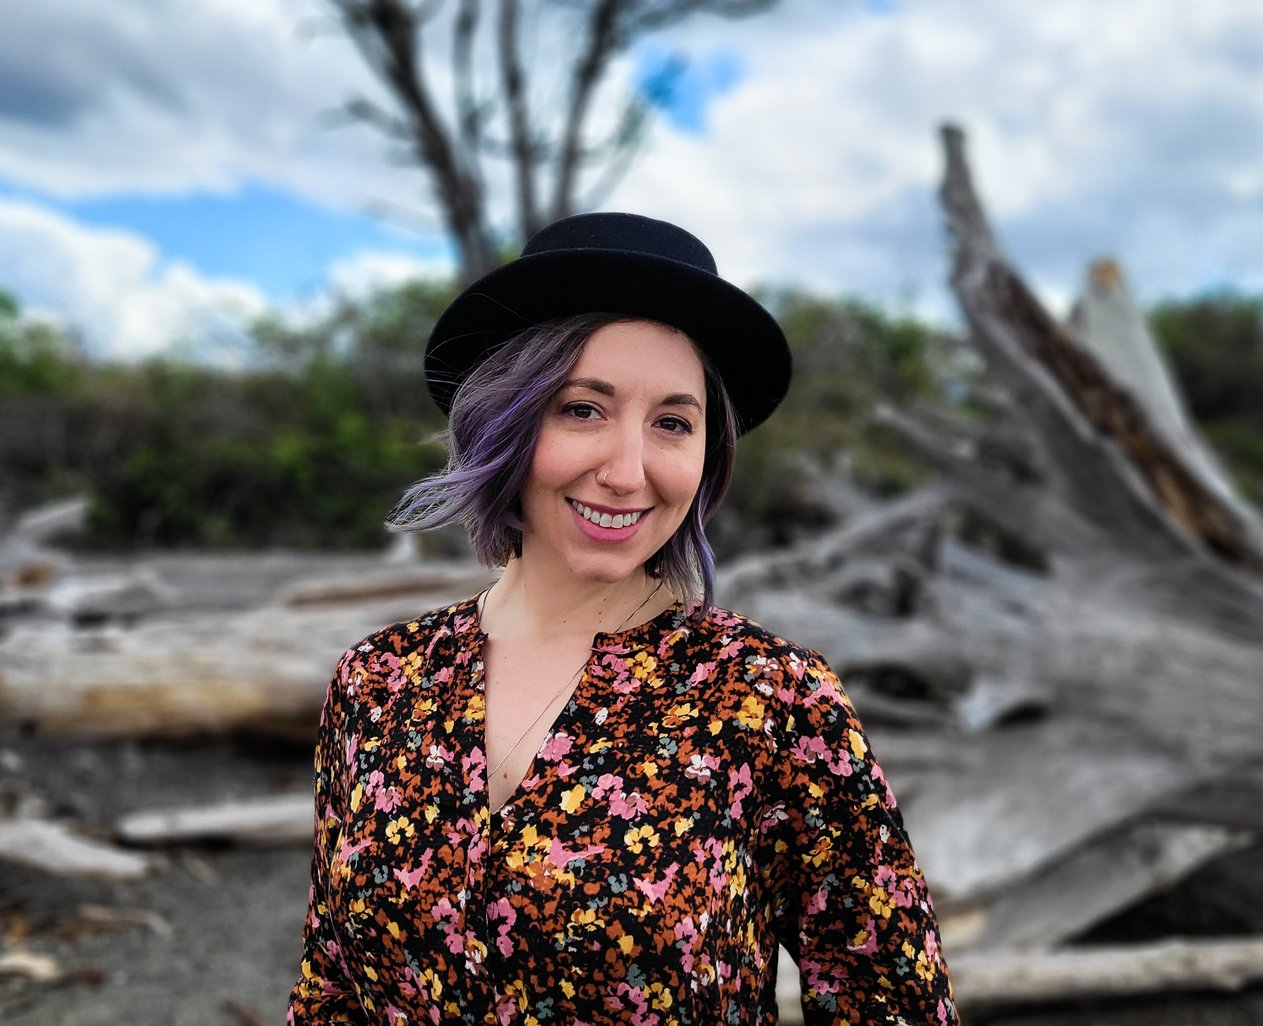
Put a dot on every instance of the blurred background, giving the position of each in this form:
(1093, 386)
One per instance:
(226, 228)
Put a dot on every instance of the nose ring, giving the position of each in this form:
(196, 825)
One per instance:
(604, 479)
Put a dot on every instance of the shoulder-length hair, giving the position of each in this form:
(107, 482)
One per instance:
(493, 427)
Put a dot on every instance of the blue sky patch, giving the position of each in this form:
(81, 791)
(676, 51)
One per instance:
(276, 240)
(682, 87)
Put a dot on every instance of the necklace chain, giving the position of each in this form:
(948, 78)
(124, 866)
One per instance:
(566, 686)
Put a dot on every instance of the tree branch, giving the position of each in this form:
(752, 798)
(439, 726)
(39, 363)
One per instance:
(524, 152)
(603, 39)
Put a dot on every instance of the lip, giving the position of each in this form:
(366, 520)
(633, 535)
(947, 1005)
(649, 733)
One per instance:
(607, 534)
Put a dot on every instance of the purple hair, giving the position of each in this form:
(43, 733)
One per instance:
(495, 422)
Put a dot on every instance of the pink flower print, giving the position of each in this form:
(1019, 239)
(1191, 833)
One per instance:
(607, 783)
(556, 747)
(686, 930)
(808, 749)
(628, 806)
(503, 916)
(387, 800)
(703, 672)
(411, 877)
(773, 815)
(885, 877)
(444, 675)
(561, 856)
(388, 666)
(819, 901)
(741, 783)
(438, 757)
(700, 767)
(655, 891)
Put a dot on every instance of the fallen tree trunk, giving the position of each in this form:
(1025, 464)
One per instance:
(1058, 642)
(201, 673)
(994, 979)
(274, 819)
(55, 848)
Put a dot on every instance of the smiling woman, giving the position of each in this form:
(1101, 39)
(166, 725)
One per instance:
(588, 794)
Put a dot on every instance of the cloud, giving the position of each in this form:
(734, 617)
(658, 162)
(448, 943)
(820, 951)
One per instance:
(112, 288)
(1092, 129)
(368, 271)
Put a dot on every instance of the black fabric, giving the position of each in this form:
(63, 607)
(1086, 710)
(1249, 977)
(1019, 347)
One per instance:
(621, 264)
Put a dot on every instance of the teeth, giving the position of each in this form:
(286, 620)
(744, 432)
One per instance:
(606, 519)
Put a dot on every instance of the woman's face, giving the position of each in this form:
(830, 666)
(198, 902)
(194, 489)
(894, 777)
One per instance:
(620, 453)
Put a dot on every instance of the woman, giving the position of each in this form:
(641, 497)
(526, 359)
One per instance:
(587, 795)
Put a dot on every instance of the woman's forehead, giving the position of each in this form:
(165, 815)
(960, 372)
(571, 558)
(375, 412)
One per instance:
(642, 353)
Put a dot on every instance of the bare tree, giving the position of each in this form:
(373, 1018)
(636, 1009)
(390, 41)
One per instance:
(554, 146)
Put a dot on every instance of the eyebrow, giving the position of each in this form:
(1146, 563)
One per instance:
(605, 388)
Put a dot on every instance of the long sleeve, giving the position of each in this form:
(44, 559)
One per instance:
(852, 905)
(324, 993)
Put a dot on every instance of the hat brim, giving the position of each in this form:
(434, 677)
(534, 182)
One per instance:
(743, 340)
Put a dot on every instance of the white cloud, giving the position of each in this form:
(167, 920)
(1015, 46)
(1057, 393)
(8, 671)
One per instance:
(1093, 127)
(112, 288)
(366, 272)
(1124, 128)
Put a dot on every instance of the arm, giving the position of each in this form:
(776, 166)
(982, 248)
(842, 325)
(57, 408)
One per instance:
(323, 993)
(851, 903)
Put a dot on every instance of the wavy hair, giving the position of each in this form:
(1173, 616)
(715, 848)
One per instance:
(494, 425)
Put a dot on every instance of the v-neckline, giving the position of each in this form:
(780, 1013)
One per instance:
(601, 641)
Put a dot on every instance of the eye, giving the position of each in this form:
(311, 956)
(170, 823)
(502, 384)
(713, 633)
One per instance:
(580, 411)
(676, 425)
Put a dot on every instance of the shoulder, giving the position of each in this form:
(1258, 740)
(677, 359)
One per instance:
(741, 643)
(407, 650)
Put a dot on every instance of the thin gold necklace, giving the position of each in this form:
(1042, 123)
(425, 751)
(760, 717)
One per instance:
(566, 686)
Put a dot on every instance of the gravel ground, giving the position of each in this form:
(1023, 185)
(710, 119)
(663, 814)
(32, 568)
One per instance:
(211, 938)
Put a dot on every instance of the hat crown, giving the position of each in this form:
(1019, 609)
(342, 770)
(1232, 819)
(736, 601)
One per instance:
(627, 233)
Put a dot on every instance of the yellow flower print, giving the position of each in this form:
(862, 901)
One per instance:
(879, 901)
(398, 829)
(820, 853)
(659, 997)
(858, 748)
(751, 713)
(572, 799)
(643, 665)
(638, 838)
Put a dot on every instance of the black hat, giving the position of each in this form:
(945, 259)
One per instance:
(621, 264)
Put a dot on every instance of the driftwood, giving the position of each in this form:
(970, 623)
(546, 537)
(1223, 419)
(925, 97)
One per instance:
(56, 848)
(276, 819)
(1058, 645)
(198, 672)
(993, 978)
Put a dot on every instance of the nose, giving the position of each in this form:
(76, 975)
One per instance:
(623, 469)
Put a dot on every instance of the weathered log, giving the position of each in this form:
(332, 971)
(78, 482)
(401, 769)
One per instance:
(1096, 880)
(55, 848)
(273, 819)
(192, 673)
(995, 978)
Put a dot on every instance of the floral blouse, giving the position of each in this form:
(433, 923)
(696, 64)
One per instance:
(706, 794)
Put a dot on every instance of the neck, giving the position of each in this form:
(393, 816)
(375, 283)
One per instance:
(523, 601)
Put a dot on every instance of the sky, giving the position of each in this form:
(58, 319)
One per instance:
(169, 171)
